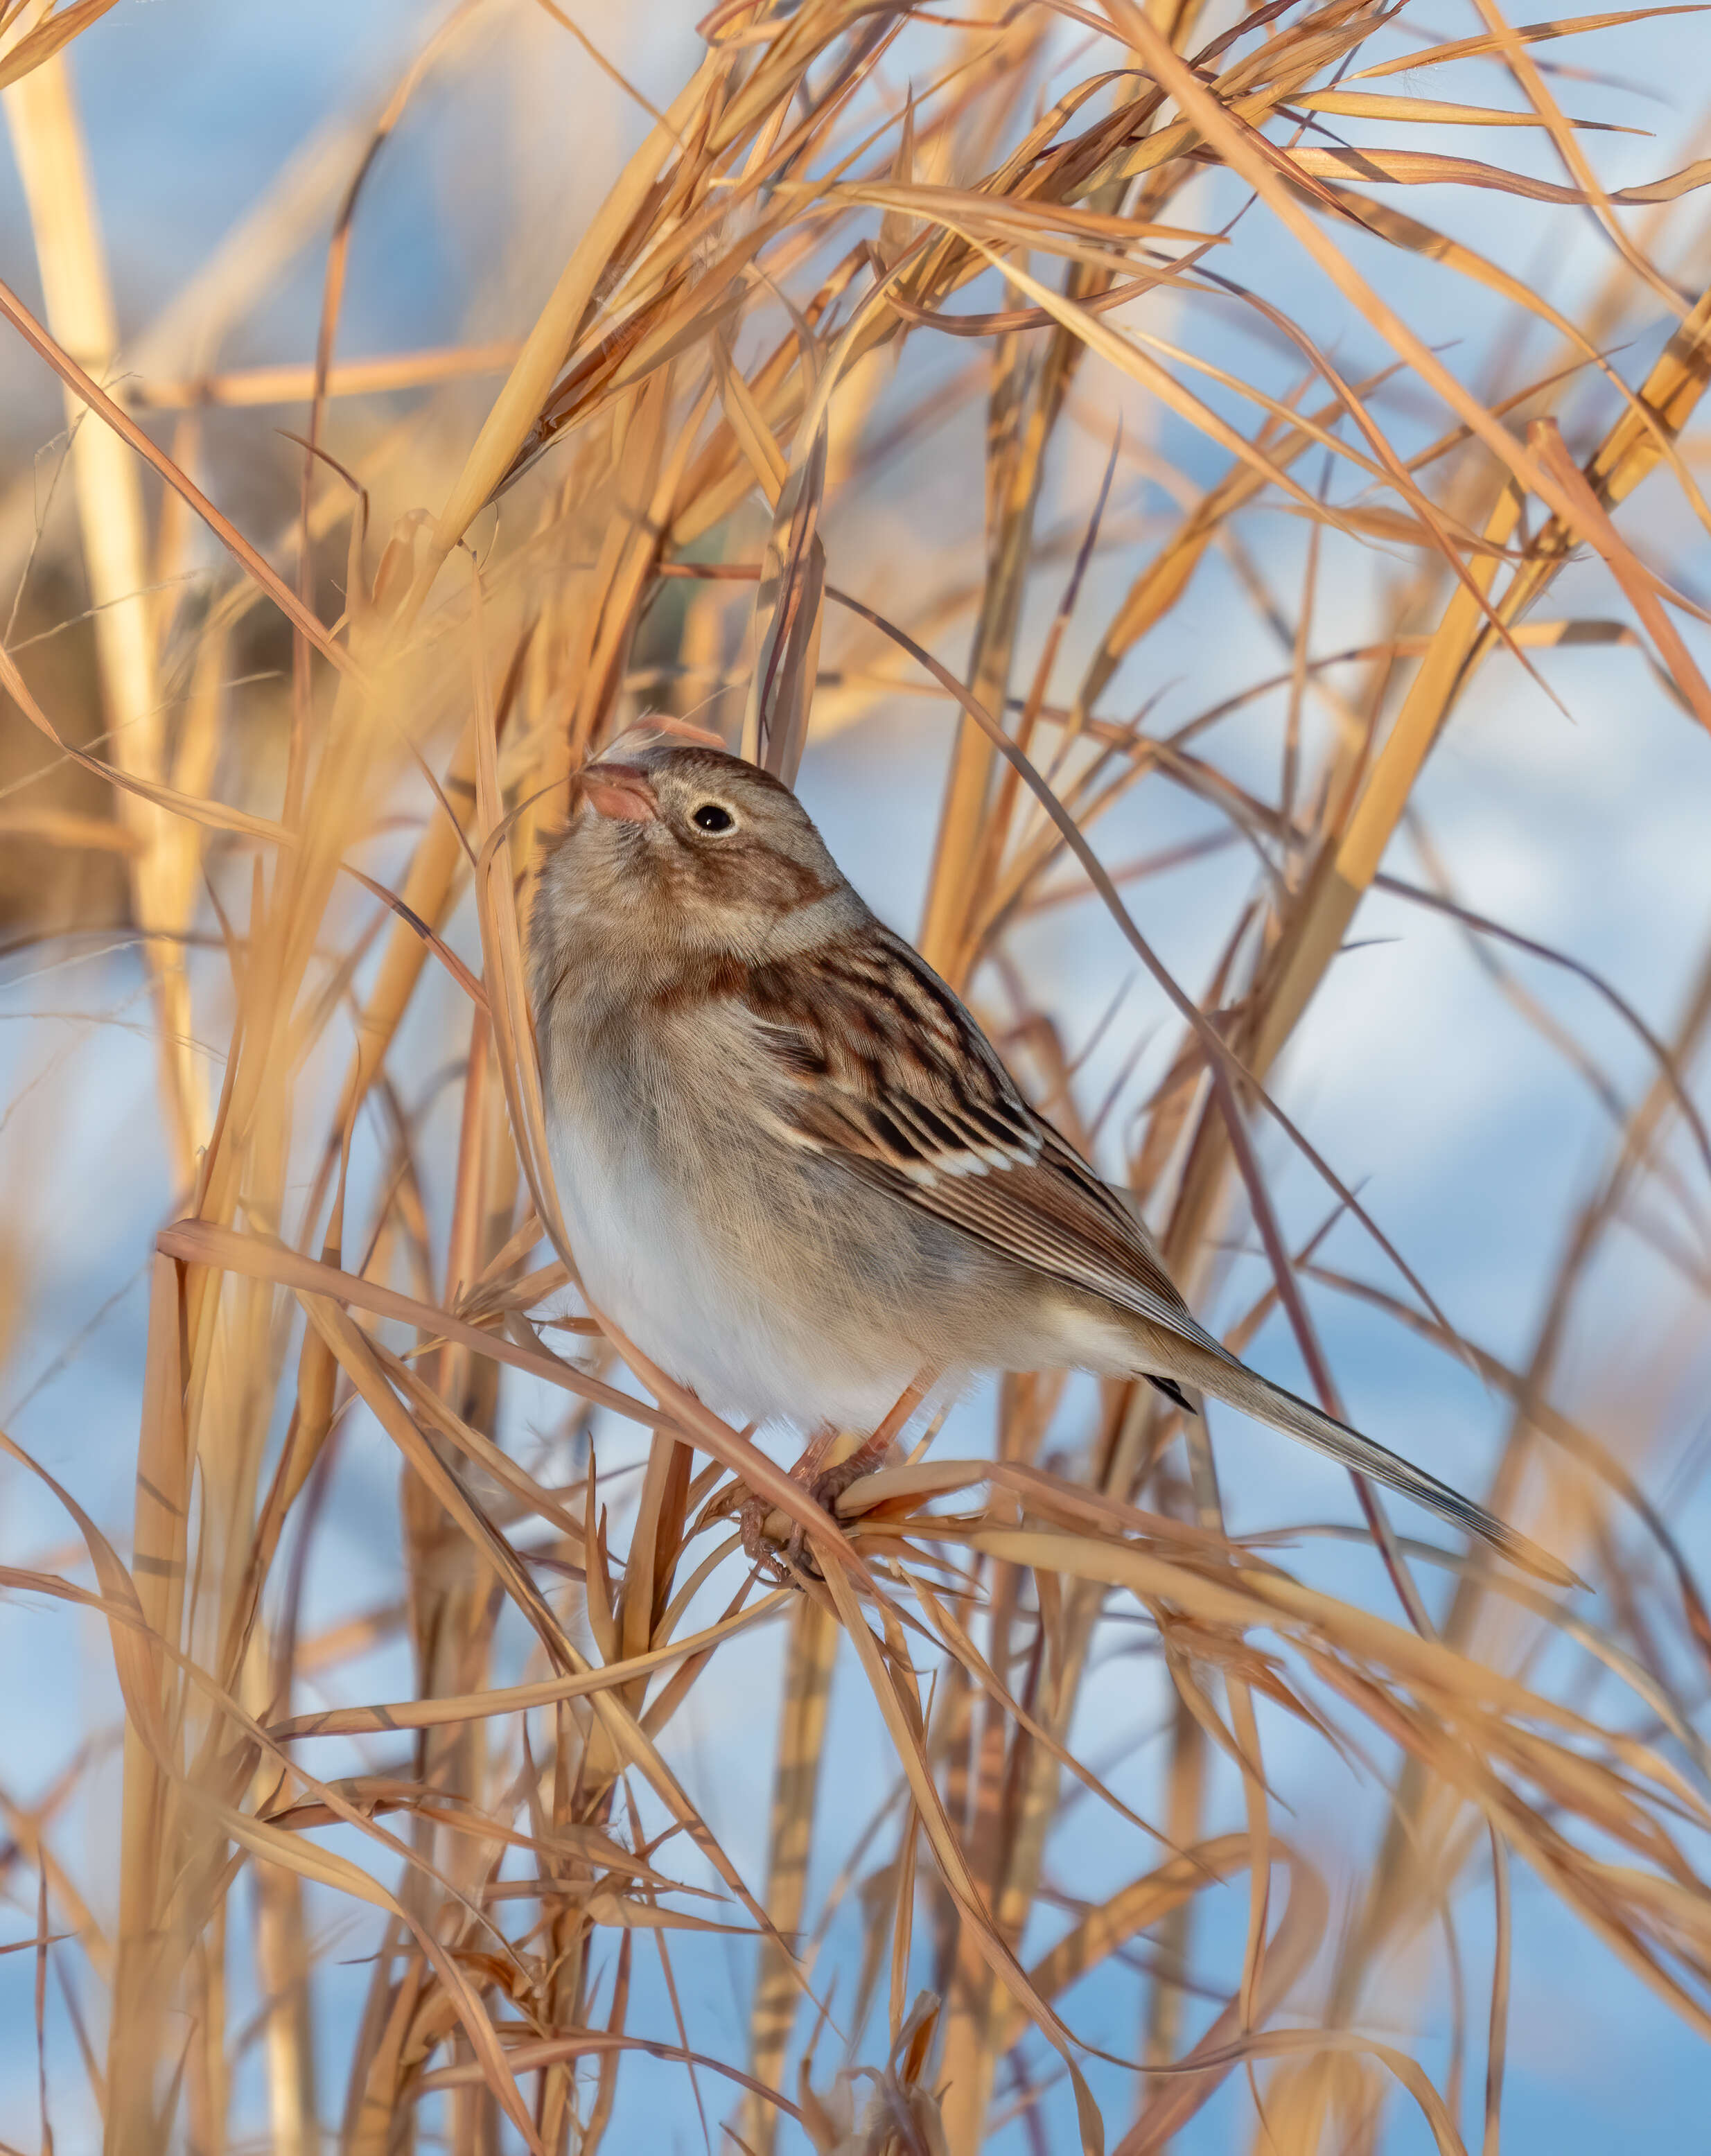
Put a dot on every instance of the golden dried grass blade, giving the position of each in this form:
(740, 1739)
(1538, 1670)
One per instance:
(39, 45)
(504, 433)
(802, 1726)
(1640, 588)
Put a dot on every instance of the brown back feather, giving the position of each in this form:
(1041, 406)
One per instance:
(886, 1071)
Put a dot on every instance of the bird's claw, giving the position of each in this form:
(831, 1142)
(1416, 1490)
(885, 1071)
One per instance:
(793, 1560)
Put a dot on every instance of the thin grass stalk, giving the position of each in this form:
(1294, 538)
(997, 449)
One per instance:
(802, 1727)
(47, 138)
(151, 1851)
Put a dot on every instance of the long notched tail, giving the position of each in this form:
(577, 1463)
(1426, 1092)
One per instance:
(1214, 1371)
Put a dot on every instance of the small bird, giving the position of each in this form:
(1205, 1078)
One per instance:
(792, 1166)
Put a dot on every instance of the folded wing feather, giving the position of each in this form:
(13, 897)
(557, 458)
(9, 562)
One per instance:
(885, 1072)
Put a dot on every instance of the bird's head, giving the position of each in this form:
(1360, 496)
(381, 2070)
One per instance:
(677, 850)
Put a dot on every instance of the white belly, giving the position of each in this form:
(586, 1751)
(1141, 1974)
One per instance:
(666, 1280)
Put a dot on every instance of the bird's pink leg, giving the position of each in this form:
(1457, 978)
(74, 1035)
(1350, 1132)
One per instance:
(825, 1488)
(826, 1485)
(870, 1453)
(752, 1513)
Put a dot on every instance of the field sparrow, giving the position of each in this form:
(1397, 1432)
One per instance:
(793, 1167)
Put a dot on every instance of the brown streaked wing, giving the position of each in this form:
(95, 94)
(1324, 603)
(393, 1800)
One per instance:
(888, 1065)
(887, 1072)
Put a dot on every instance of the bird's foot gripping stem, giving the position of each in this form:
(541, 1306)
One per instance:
(824, 1485)
(793, 1559)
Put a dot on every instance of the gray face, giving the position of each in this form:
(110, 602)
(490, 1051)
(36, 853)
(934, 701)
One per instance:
(678, 848)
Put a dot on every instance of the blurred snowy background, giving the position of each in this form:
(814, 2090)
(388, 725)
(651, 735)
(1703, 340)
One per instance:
(1474, 1140)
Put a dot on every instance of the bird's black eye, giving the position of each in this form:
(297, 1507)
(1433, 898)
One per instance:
(710, 817)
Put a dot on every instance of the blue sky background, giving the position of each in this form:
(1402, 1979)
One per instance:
(1470, 1140)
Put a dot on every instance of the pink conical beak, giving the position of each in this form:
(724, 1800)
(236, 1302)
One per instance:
(621, 792)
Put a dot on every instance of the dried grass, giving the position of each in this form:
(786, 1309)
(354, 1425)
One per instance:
(713, 381)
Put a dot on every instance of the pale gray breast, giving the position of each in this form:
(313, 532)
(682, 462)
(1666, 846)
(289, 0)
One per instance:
(768, 1276)
(691, 1221)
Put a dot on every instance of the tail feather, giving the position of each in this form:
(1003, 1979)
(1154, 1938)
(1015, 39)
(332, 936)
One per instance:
(1258, 1396)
